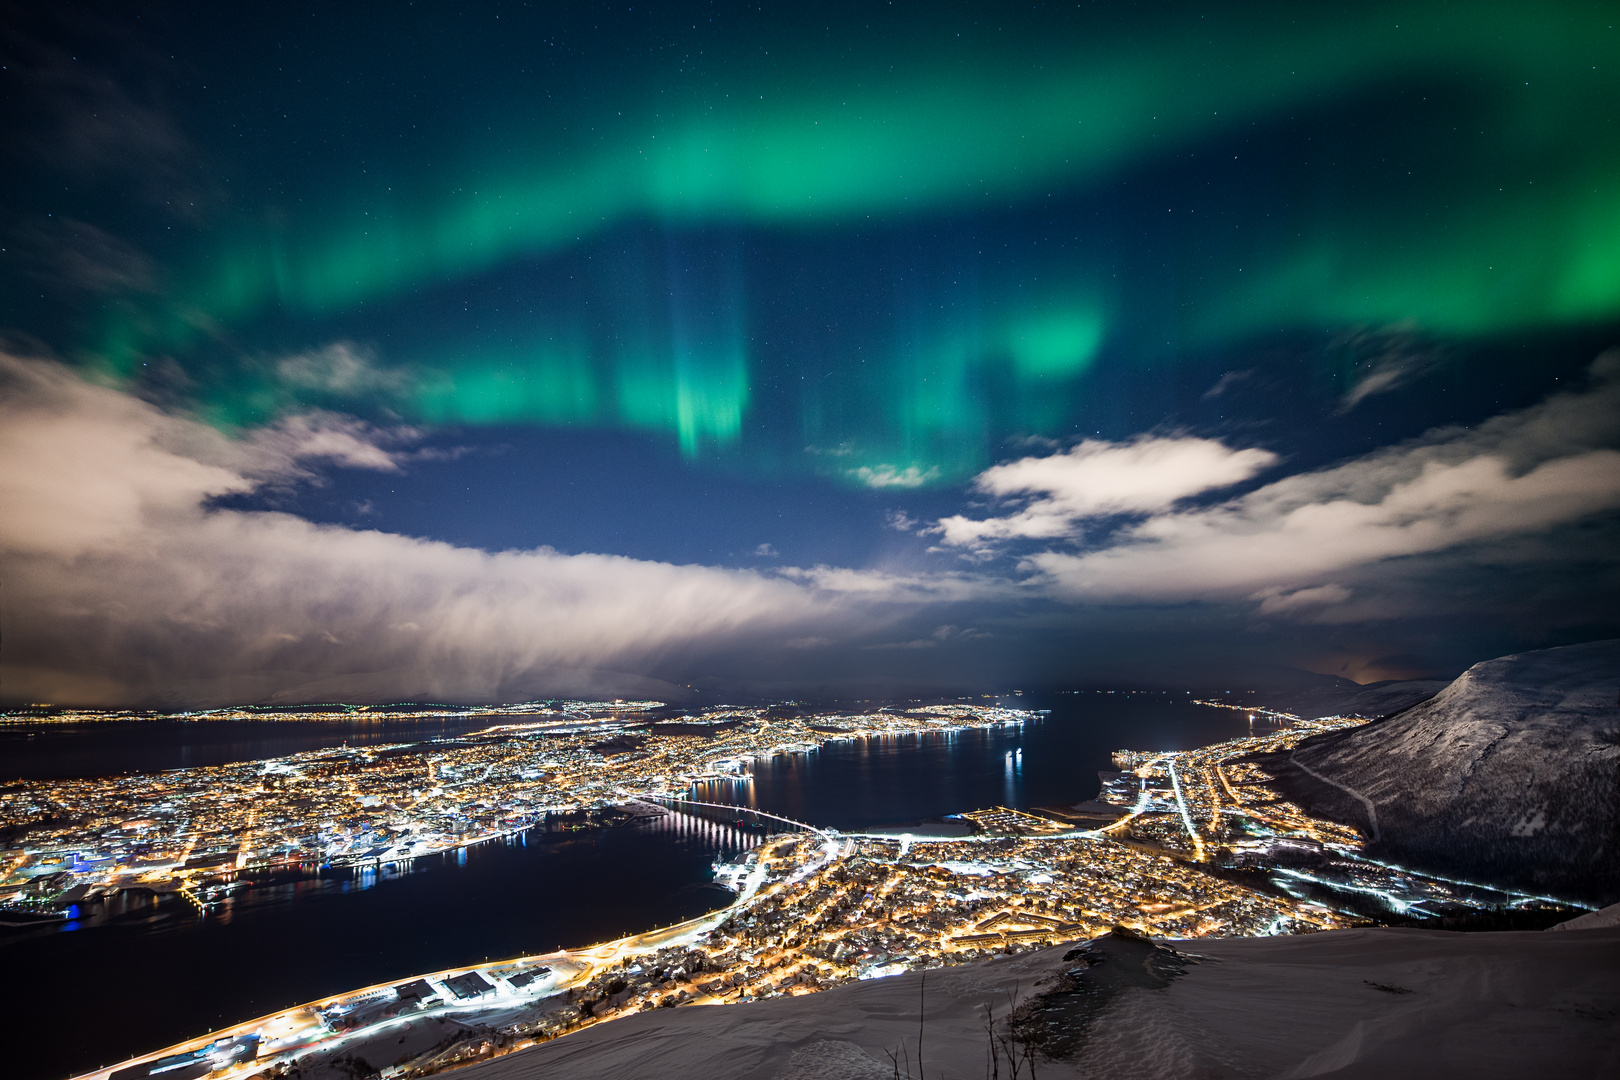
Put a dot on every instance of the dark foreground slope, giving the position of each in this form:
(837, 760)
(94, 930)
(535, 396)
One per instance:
(1385, 1004)
(1511, 774)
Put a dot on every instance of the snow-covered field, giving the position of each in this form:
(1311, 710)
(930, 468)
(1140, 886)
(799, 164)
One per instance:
(1385, 1004)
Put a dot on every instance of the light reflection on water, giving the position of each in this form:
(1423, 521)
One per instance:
(1049, 760)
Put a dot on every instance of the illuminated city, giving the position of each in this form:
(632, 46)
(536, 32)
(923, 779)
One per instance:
(1197, 846)
(179, 831)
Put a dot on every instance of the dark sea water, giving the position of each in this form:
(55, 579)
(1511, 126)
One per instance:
(1052, 760)
(59, 751)
(133, 978)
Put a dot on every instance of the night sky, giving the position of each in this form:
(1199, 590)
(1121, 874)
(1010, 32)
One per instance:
(466, 352)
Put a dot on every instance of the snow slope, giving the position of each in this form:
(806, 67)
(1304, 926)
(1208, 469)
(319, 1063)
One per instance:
(1603, 918)
(1511, 774)
(1385, 1004)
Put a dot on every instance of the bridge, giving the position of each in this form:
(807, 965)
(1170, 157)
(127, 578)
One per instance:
(800, 825)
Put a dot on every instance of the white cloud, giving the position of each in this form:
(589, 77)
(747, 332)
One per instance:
(887, 476)
(280, 449)
(1519, 473)
(766, 551)
(85, 466)
(1097, 479)
(1277, 601)
(122, 584)
(891, 587)
(342, 370)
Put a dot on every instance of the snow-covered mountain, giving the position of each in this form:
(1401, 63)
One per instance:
(1384, 1004)
(1511, 774)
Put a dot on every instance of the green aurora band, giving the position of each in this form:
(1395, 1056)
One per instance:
(1512, 225)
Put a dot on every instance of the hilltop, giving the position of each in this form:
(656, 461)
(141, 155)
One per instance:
(1351, 1003)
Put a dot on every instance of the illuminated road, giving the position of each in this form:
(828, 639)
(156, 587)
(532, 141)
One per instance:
(1181, 804)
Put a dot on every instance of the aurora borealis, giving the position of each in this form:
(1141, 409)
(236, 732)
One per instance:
(768, 289)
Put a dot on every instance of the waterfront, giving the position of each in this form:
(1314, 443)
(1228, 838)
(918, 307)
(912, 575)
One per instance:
(273, 945)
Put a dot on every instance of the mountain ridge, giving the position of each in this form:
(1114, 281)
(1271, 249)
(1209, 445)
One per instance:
(1509, 774)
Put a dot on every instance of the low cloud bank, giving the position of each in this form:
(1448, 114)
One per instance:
(123, 585)
(125, 582)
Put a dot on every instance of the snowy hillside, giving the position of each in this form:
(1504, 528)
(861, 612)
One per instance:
(1510, 774)
(1383, 1004)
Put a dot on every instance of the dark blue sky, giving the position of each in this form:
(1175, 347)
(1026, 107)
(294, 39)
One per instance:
(910, 345)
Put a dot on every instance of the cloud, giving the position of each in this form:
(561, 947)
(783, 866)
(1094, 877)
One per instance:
(1098, 479)
(940, 636)
(1399, 357)
(1518, 474)
(1031, 442)
(766, 551)
(910, 588)
(278, 451)
(1226, 382)
(123, 585)
(887, 476)
(126, 581)
(341, 370)
(1276, 601)
(95, 122)
(70, 254)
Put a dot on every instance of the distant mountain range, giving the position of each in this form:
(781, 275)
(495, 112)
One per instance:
(1350, 699)
(1510, 774)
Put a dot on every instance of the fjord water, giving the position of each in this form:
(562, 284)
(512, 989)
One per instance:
(140, 976)
(59, 751)
(1051, 760)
